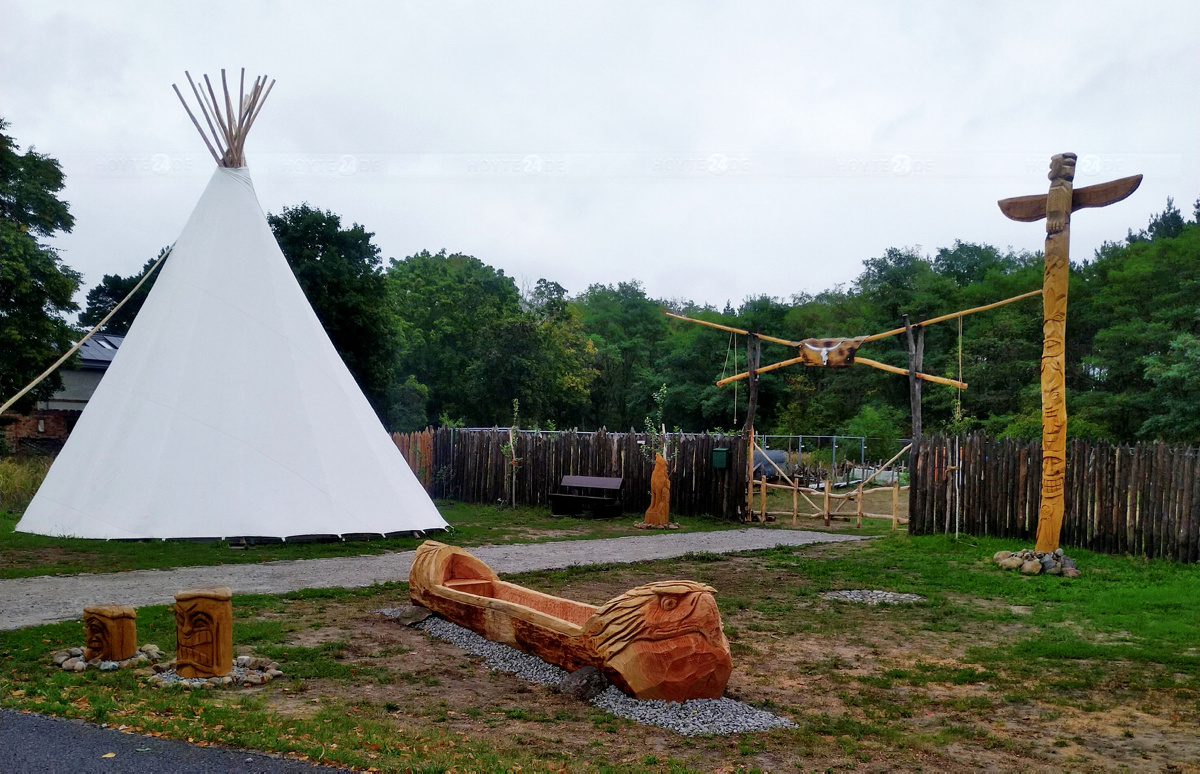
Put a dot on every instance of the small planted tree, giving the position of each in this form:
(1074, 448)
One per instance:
(509, 450)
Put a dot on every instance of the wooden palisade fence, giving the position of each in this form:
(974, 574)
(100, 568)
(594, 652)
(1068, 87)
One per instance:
(472, 466)
(1142, 500)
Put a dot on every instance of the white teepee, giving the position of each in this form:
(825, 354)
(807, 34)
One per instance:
(227, 411)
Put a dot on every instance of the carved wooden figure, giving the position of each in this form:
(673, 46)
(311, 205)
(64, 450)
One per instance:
(829, 353)
(204, 632)
(657, 641)
(1056, 207)
(110, 632)
(659, 512)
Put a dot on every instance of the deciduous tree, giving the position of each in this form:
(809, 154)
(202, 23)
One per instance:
(36, 287)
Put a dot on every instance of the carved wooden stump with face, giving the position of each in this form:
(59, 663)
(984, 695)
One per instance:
(204, 632)
(110, 632)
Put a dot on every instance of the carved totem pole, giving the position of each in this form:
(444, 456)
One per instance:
(1056, 207)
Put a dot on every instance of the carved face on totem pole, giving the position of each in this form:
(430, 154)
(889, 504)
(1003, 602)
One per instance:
(1062, 168)
(1054, 428)
(663, 641)
(203, 632)
(110, 632)
(1058, 201)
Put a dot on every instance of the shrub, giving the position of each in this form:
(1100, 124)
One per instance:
(20, 478)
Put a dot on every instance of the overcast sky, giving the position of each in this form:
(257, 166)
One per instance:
(712, 150)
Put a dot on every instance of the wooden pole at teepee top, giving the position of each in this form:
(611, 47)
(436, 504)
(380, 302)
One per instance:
(227, 127)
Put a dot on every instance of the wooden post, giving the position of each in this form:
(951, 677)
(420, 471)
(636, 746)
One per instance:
(1056, 207)
(858, 514)
(762, 516)
(795, 498)
(752, 358)
(916, 353)
(828, 491)
(896, 501)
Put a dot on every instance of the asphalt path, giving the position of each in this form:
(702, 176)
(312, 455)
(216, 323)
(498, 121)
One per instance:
(47, 599)
(45, 745)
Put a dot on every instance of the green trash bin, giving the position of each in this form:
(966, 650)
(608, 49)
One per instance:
(720, 458)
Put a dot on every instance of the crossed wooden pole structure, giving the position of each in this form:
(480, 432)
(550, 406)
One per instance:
(831, 353)
(1056, 207)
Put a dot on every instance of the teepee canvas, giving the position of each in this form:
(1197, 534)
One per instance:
(227, 411)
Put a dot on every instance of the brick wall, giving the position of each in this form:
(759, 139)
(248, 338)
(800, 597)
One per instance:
(42, 431)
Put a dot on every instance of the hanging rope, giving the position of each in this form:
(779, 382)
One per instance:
(90, 333)
(725, 369)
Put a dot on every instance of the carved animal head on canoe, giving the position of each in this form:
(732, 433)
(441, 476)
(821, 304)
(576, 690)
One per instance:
(656, 611)
(663, 641)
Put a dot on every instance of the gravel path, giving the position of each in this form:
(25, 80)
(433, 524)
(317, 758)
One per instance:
(45, 599)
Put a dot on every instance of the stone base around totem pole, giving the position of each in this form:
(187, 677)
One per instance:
(646, 525)
(1030, 562)
(72, 660)
(247, 672)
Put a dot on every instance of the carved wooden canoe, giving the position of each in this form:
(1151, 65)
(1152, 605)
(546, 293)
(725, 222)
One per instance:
(658, 641)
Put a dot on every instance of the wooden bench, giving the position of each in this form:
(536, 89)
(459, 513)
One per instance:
(598, 495)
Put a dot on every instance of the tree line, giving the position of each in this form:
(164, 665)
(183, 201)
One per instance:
(444, 338)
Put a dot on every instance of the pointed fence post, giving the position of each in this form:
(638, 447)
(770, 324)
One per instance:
(896, 501)
(763, 498)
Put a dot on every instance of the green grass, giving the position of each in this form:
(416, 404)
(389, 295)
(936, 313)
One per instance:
(1125, 621)
(1152, 607)
(1123, 634)
(23, 555)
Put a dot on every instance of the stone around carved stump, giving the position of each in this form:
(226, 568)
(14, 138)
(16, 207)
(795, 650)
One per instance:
(110, 632)
(1011, 563)
(204, 632)
(1032, 567)
(584, 684)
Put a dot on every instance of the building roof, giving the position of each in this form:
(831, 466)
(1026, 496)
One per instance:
(98, 351)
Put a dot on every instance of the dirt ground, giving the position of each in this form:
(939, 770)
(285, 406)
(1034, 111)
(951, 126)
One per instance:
(831, 684)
